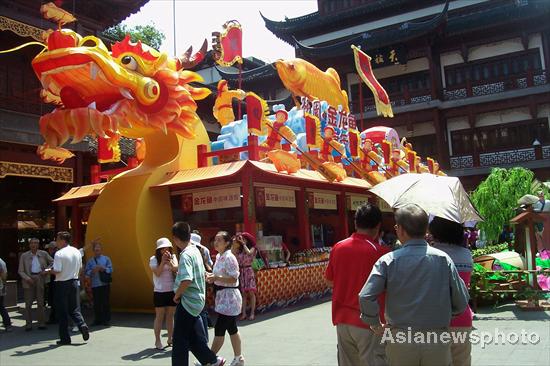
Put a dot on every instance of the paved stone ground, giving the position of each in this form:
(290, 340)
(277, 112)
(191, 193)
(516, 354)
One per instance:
(302, 335)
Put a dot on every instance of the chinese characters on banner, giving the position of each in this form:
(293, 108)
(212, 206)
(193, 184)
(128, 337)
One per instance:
(343, 123)
(212, 200)
(279, 197)
(322, 201)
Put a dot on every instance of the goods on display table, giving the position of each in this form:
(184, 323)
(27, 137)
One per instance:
(307, 256)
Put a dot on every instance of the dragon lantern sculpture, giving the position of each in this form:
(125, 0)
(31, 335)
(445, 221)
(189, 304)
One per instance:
(132, 91)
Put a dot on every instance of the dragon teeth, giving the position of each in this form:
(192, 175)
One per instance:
(126, 93)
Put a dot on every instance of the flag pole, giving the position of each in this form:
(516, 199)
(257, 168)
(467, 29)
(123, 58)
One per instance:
(361, 103)
(174, 23)
(240, 86)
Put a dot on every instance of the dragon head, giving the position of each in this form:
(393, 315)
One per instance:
(131, 91)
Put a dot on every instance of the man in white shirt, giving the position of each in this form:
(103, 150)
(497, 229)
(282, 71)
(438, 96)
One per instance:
(66, 267)
(32, 264)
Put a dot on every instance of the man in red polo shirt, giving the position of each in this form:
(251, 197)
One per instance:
(350, 264)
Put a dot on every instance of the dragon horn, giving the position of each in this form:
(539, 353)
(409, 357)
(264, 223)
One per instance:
(187, 61)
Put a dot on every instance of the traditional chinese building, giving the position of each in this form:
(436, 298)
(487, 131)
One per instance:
(27, 184)
(467, 79)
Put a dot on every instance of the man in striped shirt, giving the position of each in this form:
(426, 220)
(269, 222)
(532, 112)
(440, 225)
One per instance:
(189, 289)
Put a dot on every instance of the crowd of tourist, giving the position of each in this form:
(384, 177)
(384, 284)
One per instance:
(420, 286)
(380, 295)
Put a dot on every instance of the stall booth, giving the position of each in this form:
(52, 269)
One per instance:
(303, 210)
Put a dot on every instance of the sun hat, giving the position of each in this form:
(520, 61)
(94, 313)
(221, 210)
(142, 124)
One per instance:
(195, 239)
(163, 243)
(249, 238)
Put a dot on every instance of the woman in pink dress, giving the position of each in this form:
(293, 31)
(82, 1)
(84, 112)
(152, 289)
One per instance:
(245, 250)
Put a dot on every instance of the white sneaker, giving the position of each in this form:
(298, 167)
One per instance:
(237, 361)
(220, 362)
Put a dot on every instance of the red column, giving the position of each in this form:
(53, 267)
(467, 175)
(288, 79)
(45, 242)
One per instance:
(343, 214)
(253, 150)
(76, 226)
(304, 230)
(248, 204)
(202, 160)
(94, 174)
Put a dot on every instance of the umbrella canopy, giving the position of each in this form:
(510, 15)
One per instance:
(440, 196)
(528, 199)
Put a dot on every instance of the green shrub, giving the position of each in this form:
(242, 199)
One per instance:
(490, 249)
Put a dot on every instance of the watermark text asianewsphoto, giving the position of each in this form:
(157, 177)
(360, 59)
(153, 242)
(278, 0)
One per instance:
(483, 338)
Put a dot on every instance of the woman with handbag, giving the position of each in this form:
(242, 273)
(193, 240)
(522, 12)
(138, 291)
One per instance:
(99, 270)
(228, 302)
(164, 265)
(246, 252)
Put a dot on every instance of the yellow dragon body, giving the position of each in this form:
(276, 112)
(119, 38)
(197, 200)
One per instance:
(136, 92)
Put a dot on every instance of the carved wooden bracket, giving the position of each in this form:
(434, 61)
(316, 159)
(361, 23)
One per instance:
(464, 50)
(525, 40)
(55, 173)
(21, 29)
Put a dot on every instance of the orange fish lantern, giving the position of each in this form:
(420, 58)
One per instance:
(284, 161)
(305, 79)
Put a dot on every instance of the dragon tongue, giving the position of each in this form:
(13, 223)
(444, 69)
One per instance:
(71, 98)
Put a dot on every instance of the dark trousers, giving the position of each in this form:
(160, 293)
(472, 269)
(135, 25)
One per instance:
(204, 318)
(189, 336)
(102, 307)
(4, 313)
(50, 290)
(67, 303)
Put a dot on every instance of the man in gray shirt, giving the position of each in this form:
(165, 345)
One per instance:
(423, 290)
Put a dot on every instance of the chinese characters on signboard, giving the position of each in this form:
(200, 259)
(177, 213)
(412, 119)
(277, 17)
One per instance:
(213, 200)
(356, 201)
(388, 56)
(322, 201)
(279, 197)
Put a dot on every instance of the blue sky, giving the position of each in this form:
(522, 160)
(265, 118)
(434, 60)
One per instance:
(196, 20)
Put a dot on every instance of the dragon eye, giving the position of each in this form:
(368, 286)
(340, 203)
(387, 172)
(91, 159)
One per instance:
(129, 62)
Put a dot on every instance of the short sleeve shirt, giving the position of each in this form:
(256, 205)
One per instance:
(164, 282)
(67, 262)
(228, 301)
(350, 264)
(191, 268)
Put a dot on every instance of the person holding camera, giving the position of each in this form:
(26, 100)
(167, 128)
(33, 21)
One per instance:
(164, 265)
(99, 270)
(245, 251)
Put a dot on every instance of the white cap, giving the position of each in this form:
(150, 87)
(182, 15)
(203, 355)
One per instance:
(195, 239)
(163, 243)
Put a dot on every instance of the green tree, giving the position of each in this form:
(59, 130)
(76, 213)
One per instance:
(497, 197)
(147, 34)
